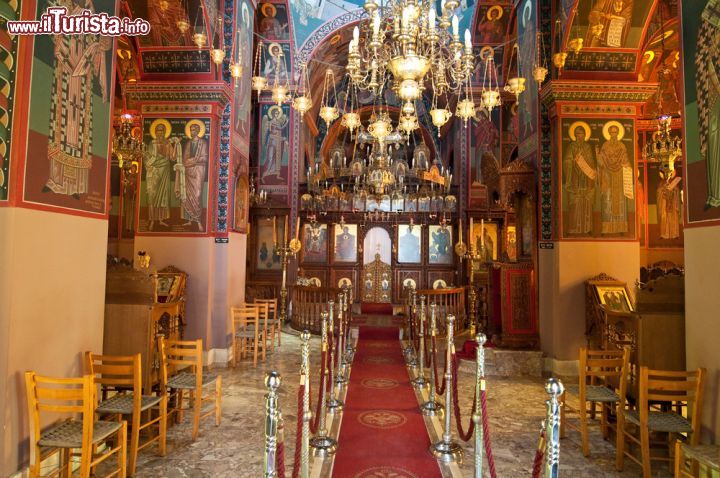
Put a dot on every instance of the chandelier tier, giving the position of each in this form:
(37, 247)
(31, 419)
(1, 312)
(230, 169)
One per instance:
(407, 43)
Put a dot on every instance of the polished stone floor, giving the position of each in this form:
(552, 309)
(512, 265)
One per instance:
(235, 448)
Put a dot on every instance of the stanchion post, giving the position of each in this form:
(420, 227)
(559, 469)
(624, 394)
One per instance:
(477, 413)
(349, 349)
(272, 418)
(323, 445)
(307, 414)
(554, 388)
(431, 407)
(340, 371)
(446, 449)
(420, 381)
(334, 405)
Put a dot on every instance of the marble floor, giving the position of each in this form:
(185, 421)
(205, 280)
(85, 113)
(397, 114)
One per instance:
(235, 448)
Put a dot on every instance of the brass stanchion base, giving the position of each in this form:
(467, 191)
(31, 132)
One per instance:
(430, 409)
(447, 452)
(334, 406)
(323, 446)
(419, 381)
(340, 379)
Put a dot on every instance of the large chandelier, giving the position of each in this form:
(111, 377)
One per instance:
(664, 148)
(407, 43)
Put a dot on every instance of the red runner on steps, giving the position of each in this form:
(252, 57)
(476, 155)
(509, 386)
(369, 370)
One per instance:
(383, 432)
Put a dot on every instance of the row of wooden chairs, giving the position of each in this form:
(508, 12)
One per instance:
(255, 328)
(111, 390)
(666, 402)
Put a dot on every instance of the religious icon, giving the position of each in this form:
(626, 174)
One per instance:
(79, 62)
(314, 247)
(421, 157)
(277, 62)
(336, 156)
(275, 145)
(273, 24)
(609, 23)
(491, 28)
(267, 257)
(345, 243)
(579, 179)
(485, 239)
(410, 283)
(707, 82)
(614, 298)
(190, 171)
(440, 248)
(439, 284)
(511, 247)
(616, 179)
(242, 88)
(241, 209)
(409, 243)
(344, 283)
(668, 206)
(161, 155)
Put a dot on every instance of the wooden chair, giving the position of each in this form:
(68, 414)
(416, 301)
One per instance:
(247, 332)
(46, 395)
(706, 455)
(120, 381)
(181, 371)
(274, 325)
(602, 380)
(676, 401)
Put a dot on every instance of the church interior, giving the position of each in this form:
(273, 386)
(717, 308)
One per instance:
(362, 239)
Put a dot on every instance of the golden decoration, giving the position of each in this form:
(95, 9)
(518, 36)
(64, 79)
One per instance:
(495, 8)
(620, 127)
(197, 122)
(268, 10)
(295, 245)
(460, 249)
(486, 51)
(335, 39)
(667, 34)
(650, 55)
(156, 123)
(136, 132)
(584, 126)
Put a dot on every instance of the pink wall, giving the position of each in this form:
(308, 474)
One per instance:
(561, 286)
(52, 296)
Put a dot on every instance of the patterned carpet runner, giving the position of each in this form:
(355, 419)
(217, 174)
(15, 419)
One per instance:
(383, 433)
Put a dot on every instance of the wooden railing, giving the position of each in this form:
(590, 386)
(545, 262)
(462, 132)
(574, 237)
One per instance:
(307, 305)
(447, 301)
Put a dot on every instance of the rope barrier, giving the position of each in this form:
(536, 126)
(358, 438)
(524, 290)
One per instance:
(298, 434)
(439, 386)
(486, 432)
(316, 419)
(539, 455)
(456, 405)
(280, 460)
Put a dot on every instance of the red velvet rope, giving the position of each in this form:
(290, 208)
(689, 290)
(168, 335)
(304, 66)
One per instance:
(486, 434)
(316, 419)
(280, 460)
(298, 435)
(439, 381)
(539, 456)
(464, 436)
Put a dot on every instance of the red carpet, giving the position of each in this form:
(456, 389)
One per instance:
(383, 432)
(379, 309)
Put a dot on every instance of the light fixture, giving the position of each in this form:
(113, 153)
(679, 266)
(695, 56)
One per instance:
(516, 84)
(381, 127)
(258, 197)
(351, 121)
(327, 112)
(259, 82)
(183, 25)
(559, 60)
(218, 54)
(200, 36)
(302, 101)
(540, 70)
(408, 123)
(490, 93)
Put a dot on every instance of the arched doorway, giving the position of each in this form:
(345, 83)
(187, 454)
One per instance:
(377, 272)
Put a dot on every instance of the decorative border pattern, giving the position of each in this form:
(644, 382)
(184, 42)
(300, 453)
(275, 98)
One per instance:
(223, 171)
(180, 61)
(559, 90)
(171, 108)
(615, 110)
(150, 92)
(325, 30)
(602, 61)
(8, 45)
(546, 209)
